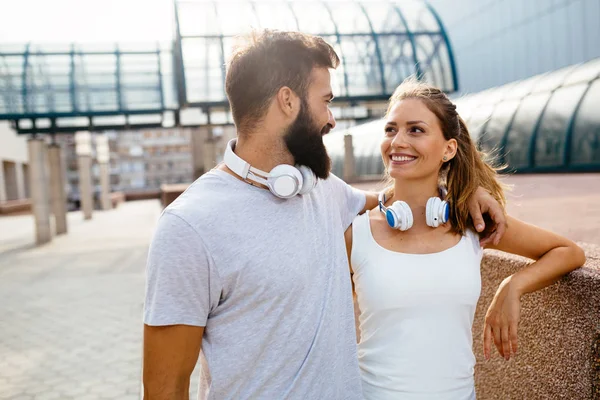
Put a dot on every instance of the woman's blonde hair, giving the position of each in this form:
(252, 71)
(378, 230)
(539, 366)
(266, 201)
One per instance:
(463, 174)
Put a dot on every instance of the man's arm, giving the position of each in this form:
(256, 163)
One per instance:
(170, 355)
(482, 202)
(372, 201)
(182, 288)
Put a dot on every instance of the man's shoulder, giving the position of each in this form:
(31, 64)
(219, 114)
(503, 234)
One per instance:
(207, 200)
(334, 182)
(200, 197)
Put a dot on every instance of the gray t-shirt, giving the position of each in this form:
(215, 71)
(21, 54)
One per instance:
(269, 280)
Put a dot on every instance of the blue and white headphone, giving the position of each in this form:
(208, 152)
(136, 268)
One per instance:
(399, 215)
(284, 181)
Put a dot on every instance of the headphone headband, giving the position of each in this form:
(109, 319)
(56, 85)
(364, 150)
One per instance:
(382, 201)
(284, 181)
(239, 166)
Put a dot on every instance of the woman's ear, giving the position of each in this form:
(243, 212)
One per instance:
(450, 151)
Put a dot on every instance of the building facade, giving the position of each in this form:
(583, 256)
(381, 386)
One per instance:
(167, 157)
(130, 161)
(500, 41)
(14, 176)
(139, 160)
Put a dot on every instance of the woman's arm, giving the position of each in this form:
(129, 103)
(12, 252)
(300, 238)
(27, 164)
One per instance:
(555, 256)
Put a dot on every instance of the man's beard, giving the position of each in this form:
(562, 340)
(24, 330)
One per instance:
(304, 141)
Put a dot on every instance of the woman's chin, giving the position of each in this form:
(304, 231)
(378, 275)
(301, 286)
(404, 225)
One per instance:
(398, 173)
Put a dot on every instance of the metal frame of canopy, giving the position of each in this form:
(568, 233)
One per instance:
(45, 89)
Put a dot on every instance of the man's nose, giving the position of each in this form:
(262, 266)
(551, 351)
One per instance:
(331, 120)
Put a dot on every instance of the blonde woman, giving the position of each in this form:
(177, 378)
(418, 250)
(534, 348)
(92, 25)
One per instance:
(416, 261)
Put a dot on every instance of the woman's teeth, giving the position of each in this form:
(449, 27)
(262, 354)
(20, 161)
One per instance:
(402, 158)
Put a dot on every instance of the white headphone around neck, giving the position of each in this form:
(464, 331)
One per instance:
(284, 181)
(399, 215)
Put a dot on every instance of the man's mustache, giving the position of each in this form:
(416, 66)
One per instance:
(326, 129)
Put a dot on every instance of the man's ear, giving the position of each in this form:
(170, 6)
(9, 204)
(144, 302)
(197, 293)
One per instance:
(288, 102)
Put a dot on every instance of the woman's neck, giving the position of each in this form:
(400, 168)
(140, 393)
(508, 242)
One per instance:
(415, 193)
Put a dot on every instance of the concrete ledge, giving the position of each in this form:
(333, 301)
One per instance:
(142, 195)
(22, 206)
(559, 335)
(168, 193)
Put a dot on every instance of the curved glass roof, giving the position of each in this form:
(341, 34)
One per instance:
(544, 123)
(379, 42)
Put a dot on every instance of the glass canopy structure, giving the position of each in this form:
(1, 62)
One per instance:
(68, 88)
(379, 43)
(62, 88)
(547, 123)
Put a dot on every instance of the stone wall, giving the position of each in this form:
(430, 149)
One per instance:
(559, 335)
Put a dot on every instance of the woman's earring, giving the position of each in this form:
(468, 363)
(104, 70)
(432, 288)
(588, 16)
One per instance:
(445, 158)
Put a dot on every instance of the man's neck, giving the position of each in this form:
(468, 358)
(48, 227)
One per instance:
(262, 151)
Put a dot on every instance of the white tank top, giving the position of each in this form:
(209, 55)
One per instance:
(416, 316)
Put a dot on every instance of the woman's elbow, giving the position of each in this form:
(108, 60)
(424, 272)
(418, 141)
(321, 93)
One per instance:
(577, 255)
(581, 256)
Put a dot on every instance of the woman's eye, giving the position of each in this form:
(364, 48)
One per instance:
(416, 129)
(389, 130)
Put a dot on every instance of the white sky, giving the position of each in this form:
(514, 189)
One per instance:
(85, 21)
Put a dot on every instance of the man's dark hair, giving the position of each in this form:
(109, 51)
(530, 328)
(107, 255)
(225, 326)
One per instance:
(268, 61)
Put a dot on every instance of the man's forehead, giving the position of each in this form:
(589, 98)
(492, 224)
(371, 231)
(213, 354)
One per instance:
(321, 79)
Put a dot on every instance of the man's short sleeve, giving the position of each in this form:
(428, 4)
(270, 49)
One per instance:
(350, 200)
(182, 285)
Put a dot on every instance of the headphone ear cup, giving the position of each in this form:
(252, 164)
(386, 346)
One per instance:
(437, 212)
(285, 181)
(409, 216)
(391, 218)
(445, 211)
(430, 212)
(403, 214)
(309, 179)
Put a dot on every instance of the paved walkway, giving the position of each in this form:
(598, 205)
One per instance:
(70, 311)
